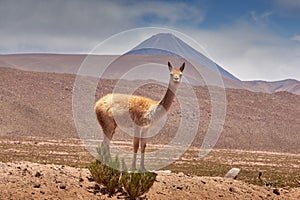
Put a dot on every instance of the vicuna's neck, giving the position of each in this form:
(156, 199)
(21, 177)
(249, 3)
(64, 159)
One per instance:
(166, 102)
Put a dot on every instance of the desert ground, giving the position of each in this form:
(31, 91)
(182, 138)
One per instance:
(38, 168)
(42, 156)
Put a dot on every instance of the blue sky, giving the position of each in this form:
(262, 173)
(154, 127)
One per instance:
(280, 16)
(254, 39)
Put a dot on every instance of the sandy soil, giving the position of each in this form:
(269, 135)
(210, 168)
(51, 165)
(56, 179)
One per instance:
(42, 108)
(26, 180)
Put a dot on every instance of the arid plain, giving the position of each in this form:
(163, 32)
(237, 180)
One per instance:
(38, 134)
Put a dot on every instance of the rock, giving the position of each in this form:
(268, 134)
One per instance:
(97, 187)
(58, 181)
(25, 172)
(38, 174)
(90, 189)
(276, 191)
(37, 185)
(81, 180)
(179, 187)
(232, 189)
(62, 186)
(180, 174)
(90, 179)
(232, 173)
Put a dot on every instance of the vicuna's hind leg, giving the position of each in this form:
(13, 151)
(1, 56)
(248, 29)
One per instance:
(108, 130)
(143, 147)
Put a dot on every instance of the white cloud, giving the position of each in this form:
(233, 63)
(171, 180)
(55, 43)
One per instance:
(251, 52)
(261, 18)
(288, 4)
(62, 26)
(296, 38)
(287, 8)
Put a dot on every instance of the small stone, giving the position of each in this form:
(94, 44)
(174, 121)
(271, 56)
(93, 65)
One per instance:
(58, 181)
(90, 179)
(25, 171)
(232, 189)
(90, 189)
(81, 180)
(97, 187)
(38, 174)
(180, 174)
(276, 191)
(232, 173)
(179, 187)
(62, 187)
(37, 185)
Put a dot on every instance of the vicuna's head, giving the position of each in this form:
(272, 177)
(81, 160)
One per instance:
(175, 73)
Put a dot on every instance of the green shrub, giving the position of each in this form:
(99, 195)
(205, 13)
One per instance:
(137, 183)
(113, 175)
(106, 171)
(106, 176)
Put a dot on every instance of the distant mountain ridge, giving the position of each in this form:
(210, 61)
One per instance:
(163, 47)
(69, 64)
(288, 85)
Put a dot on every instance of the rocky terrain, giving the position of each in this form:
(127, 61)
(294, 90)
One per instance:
(26, 180)
(40, 105)
(39, 142)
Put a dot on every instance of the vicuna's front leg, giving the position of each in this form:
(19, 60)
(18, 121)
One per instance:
(143, 147)
(136, 141)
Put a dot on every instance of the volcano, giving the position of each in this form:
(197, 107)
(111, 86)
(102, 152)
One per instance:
(168, 44)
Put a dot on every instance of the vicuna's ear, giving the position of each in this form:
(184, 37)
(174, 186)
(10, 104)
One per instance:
(182, 67)
(170, 66)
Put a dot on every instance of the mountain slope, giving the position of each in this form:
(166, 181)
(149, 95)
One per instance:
(288, 85)
(40, 105)
(168, 44)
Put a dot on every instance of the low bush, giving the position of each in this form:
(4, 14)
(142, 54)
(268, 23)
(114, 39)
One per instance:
(136, 184)
(113, 175)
